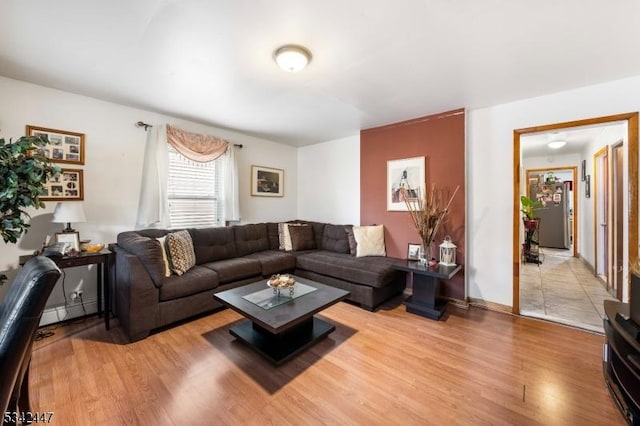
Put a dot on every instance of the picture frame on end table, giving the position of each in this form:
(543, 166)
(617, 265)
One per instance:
(267, 182)
(413, 251)
(408, 173)
(68, 185)
(71, 238)
(65, 147)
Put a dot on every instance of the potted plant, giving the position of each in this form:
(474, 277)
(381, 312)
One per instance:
(529, 208)
(23, 173)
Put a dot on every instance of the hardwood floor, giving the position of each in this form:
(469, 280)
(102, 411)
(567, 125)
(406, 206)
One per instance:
(387, 367)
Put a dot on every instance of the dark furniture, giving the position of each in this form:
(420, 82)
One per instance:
(233, 256)
(20, 314)
(104, 260)
(285, 330)
(426, 284)
(621, 359)
(531, 245)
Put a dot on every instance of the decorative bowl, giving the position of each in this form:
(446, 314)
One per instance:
(280, 282)
(92, 248)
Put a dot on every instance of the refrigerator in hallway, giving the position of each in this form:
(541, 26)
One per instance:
(554, 217)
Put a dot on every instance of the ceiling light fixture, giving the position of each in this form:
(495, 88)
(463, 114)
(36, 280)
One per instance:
(556, 144)
(292, 58)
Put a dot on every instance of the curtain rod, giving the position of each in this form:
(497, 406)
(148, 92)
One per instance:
(146, 126)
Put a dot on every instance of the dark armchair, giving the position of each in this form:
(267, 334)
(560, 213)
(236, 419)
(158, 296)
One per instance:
(20, 314)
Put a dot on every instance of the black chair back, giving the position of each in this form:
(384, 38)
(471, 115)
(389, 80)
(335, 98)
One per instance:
(20, 314)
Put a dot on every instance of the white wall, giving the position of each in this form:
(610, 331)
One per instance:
(113, 167)
(329, 181)
(490, 172)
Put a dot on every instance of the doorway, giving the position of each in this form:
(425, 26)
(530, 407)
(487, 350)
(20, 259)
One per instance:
(617, 188)
(629, 181)
(601, 213)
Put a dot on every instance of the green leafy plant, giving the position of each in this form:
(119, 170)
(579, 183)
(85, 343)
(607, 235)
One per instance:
(23, 173)
(529, 207)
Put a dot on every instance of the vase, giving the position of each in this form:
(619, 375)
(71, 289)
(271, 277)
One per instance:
(424, 254)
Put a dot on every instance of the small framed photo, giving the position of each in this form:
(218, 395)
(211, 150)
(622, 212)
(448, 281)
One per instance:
(64, 147)
(583, 170)
(267, 182)
(68, 185)
(587, 187)
(413, 251)
(71, 238)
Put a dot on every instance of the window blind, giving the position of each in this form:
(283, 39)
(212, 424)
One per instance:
(194, 192)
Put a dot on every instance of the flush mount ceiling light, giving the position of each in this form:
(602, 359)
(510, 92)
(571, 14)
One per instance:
(292, 58)
(556, 144)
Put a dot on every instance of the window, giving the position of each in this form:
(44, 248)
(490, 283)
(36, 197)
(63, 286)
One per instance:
(194, 192)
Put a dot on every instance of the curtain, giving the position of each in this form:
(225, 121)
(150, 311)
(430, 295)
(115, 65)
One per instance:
(153, 209)
(231, 195)
(196, 147)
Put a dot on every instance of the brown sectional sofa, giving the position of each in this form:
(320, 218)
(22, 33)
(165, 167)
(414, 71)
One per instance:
(233, 256)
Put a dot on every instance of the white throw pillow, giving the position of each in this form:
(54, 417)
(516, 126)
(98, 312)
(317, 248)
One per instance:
(165, 259)
(285, 236)
(370, 240)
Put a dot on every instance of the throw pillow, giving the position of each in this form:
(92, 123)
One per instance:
(163, 248)
(370, 240)
(281, 238)
(302, 237)
(284, 237)
(353, 245)
(181, 253)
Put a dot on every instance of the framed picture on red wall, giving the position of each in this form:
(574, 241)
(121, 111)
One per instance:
(405, 180)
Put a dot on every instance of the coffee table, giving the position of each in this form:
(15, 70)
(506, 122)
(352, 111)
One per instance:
(281, 331)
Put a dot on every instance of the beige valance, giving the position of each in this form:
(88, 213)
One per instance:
(194, 146)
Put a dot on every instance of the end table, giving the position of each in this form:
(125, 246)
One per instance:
(104, 259)
(426, 284)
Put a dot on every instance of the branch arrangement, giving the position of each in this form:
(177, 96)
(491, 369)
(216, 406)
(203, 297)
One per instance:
(428, 213)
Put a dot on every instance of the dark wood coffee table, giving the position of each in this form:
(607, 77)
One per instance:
(283, 331)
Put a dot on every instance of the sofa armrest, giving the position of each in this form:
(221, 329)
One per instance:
(136, 296)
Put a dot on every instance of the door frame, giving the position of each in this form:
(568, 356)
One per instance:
(632, 152)
(604, 151)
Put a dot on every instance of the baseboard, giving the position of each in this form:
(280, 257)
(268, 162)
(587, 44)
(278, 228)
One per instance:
(457, 302)
(491, 306)
(64, 313)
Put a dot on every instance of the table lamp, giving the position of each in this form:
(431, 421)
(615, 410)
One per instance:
(68, 212)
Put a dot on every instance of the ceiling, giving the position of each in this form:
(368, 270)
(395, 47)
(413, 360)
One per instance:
(577, 139)
(374, 63)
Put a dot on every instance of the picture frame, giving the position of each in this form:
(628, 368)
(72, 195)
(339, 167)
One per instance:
(587, 187)
(68, 185)
(406, 173)
(583, 170)
(71, 238)
(267, 182)
(413, 251)
(65, 147)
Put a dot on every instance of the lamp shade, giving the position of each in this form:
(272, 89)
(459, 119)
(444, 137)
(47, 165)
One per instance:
(68, 212)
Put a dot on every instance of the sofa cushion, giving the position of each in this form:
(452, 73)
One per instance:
(272, 234)
(251, 238)
(353, 245)
(334, 238)
(235, 269)
(274, 261)
(373, 271)
(195, 280)
(370, 240)
(144, 245)
(180, 251)
(302, 238)
(211, 244)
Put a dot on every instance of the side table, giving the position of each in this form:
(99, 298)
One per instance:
(426, 283)
(104, 260)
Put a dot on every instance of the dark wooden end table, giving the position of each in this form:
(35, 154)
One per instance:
(426, 284)
(283, 331)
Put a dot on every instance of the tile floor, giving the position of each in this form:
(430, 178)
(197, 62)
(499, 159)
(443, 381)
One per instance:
(562, 289)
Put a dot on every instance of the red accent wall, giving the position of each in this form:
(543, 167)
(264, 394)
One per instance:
(440, 139)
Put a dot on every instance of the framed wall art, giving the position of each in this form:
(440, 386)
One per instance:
(407, 173)
(267, 182)
(65, 147)
(587, 187)
(66, 186)
(583, 170)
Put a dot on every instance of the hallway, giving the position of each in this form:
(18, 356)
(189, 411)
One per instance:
(562, 289)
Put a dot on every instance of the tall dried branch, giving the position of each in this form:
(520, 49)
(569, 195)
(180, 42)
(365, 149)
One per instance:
(429, 212)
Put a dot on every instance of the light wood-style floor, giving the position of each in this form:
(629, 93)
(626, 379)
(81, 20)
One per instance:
(476, 367)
